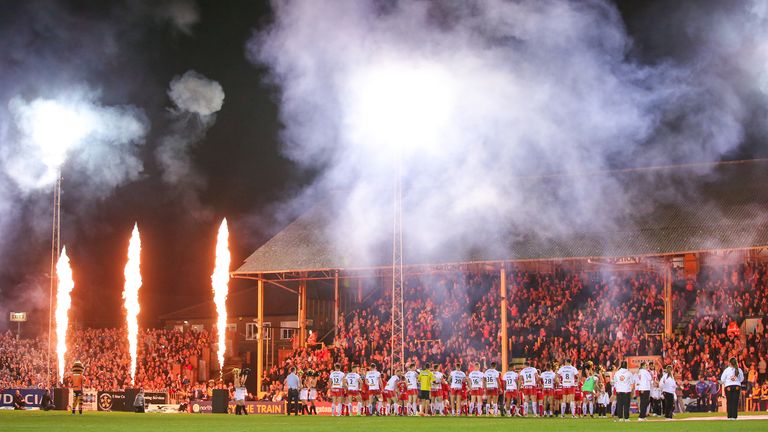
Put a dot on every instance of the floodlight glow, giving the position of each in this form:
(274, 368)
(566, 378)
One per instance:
(55, 129)
(399, 105)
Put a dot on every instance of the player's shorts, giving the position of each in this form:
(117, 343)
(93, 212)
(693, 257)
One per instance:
(578, 396)
(492, 392)
(476, 392)
(240, 394)
(388, 394)
(352, 393)
(365, 394)
(436, 393)
(558, 393)
(457, 392)
(568, 391)
(337, 392)
(403, 397)
(374, 392)
(78, 393)
(549, 392)
(588, 395)
(529, 391)
(512, 394)
(424, 394)
(413, 392)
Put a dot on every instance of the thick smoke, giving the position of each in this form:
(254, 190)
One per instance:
(480, 99)
(196, 101)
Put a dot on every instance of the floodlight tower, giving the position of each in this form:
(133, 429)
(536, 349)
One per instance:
(55, 251)
(398, 354)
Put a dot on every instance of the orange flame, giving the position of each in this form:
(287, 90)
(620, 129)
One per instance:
(63, 302)
(131, 295)
(220, 283)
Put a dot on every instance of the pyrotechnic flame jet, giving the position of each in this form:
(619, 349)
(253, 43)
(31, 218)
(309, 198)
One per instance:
(220, 283)
(63, 302)
(131, 295)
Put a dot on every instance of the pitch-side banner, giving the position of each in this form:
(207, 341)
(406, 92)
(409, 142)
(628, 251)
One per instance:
(115, 400)
(253, 407)
(32, 397)
(633, 362)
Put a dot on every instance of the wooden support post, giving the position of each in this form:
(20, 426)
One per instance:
(668, 300)
(336, 308)
(302, 315)
(260, 337)
(504, 335)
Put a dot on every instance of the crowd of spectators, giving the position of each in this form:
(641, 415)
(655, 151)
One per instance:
(455, 317)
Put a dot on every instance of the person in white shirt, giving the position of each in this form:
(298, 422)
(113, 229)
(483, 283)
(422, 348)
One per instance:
(668, 386)
(624, 383)
(602, 404)
(643, 380)
(436, 392)
(567, 375)
(530, 378)
(458, 379)
(390, 393)
(548, 378)
(336, 385)
(492, 389)
(510, 390)
(476, 388)
(373, 379)
(731, 379)
(412, 384)
(352, 383)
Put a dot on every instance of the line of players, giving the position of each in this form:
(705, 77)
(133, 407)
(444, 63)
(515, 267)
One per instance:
(429, 391)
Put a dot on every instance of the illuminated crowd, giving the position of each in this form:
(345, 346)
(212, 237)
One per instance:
(454, 318)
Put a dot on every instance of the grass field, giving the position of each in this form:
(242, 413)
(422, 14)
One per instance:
(11, 421)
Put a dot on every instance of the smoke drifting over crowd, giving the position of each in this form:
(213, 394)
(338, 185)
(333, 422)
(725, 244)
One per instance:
(481, 99)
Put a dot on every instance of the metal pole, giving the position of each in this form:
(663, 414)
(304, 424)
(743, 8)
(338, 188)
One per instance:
(260, 338)
(55, 243)
(397, 343)
(504, 335)
(302, 315)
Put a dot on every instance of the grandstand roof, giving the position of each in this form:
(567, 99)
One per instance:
(728, 209)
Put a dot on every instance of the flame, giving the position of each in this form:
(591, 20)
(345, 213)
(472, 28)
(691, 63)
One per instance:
(220, 283)
(63, 302)
(131, 295)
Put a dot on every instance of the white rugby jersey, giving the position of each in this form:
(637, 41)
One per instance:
(373, 378)
(492, 379)
(437, 380)
(510, 380)
(476, 379)
(392, 383)
(353, 381)
(568, 376)
(457, 379)
(548, 379)
(412, 380)
(529, 375)
(336, 379)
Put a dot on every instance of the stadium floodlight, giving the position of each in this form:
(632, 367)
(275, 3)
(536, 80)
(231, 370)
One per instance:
(55, 128)
(400, 106)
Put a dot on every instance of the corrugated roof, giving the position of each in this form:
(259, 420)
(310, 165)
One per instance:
(728, 210)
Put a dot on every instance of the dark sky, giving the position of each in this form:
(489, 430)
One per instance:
(131, 52)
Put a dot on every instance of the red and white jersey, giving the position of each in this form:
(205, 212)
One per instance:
(412, 380)
(437, 380)
(457, 379)
(548, 379)
(353, 381)
(336, 379)
(476, 379)
(529, 375)
(568, 375)
(392, 383)
(510, 380)
(492, 379)
(373, 378)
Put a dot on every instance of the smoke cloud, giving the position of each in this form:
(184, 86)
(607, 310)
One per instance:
(480, 101)
(196, 101)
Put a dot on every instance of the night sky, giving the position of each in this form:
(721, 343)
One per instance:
(130, 51)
